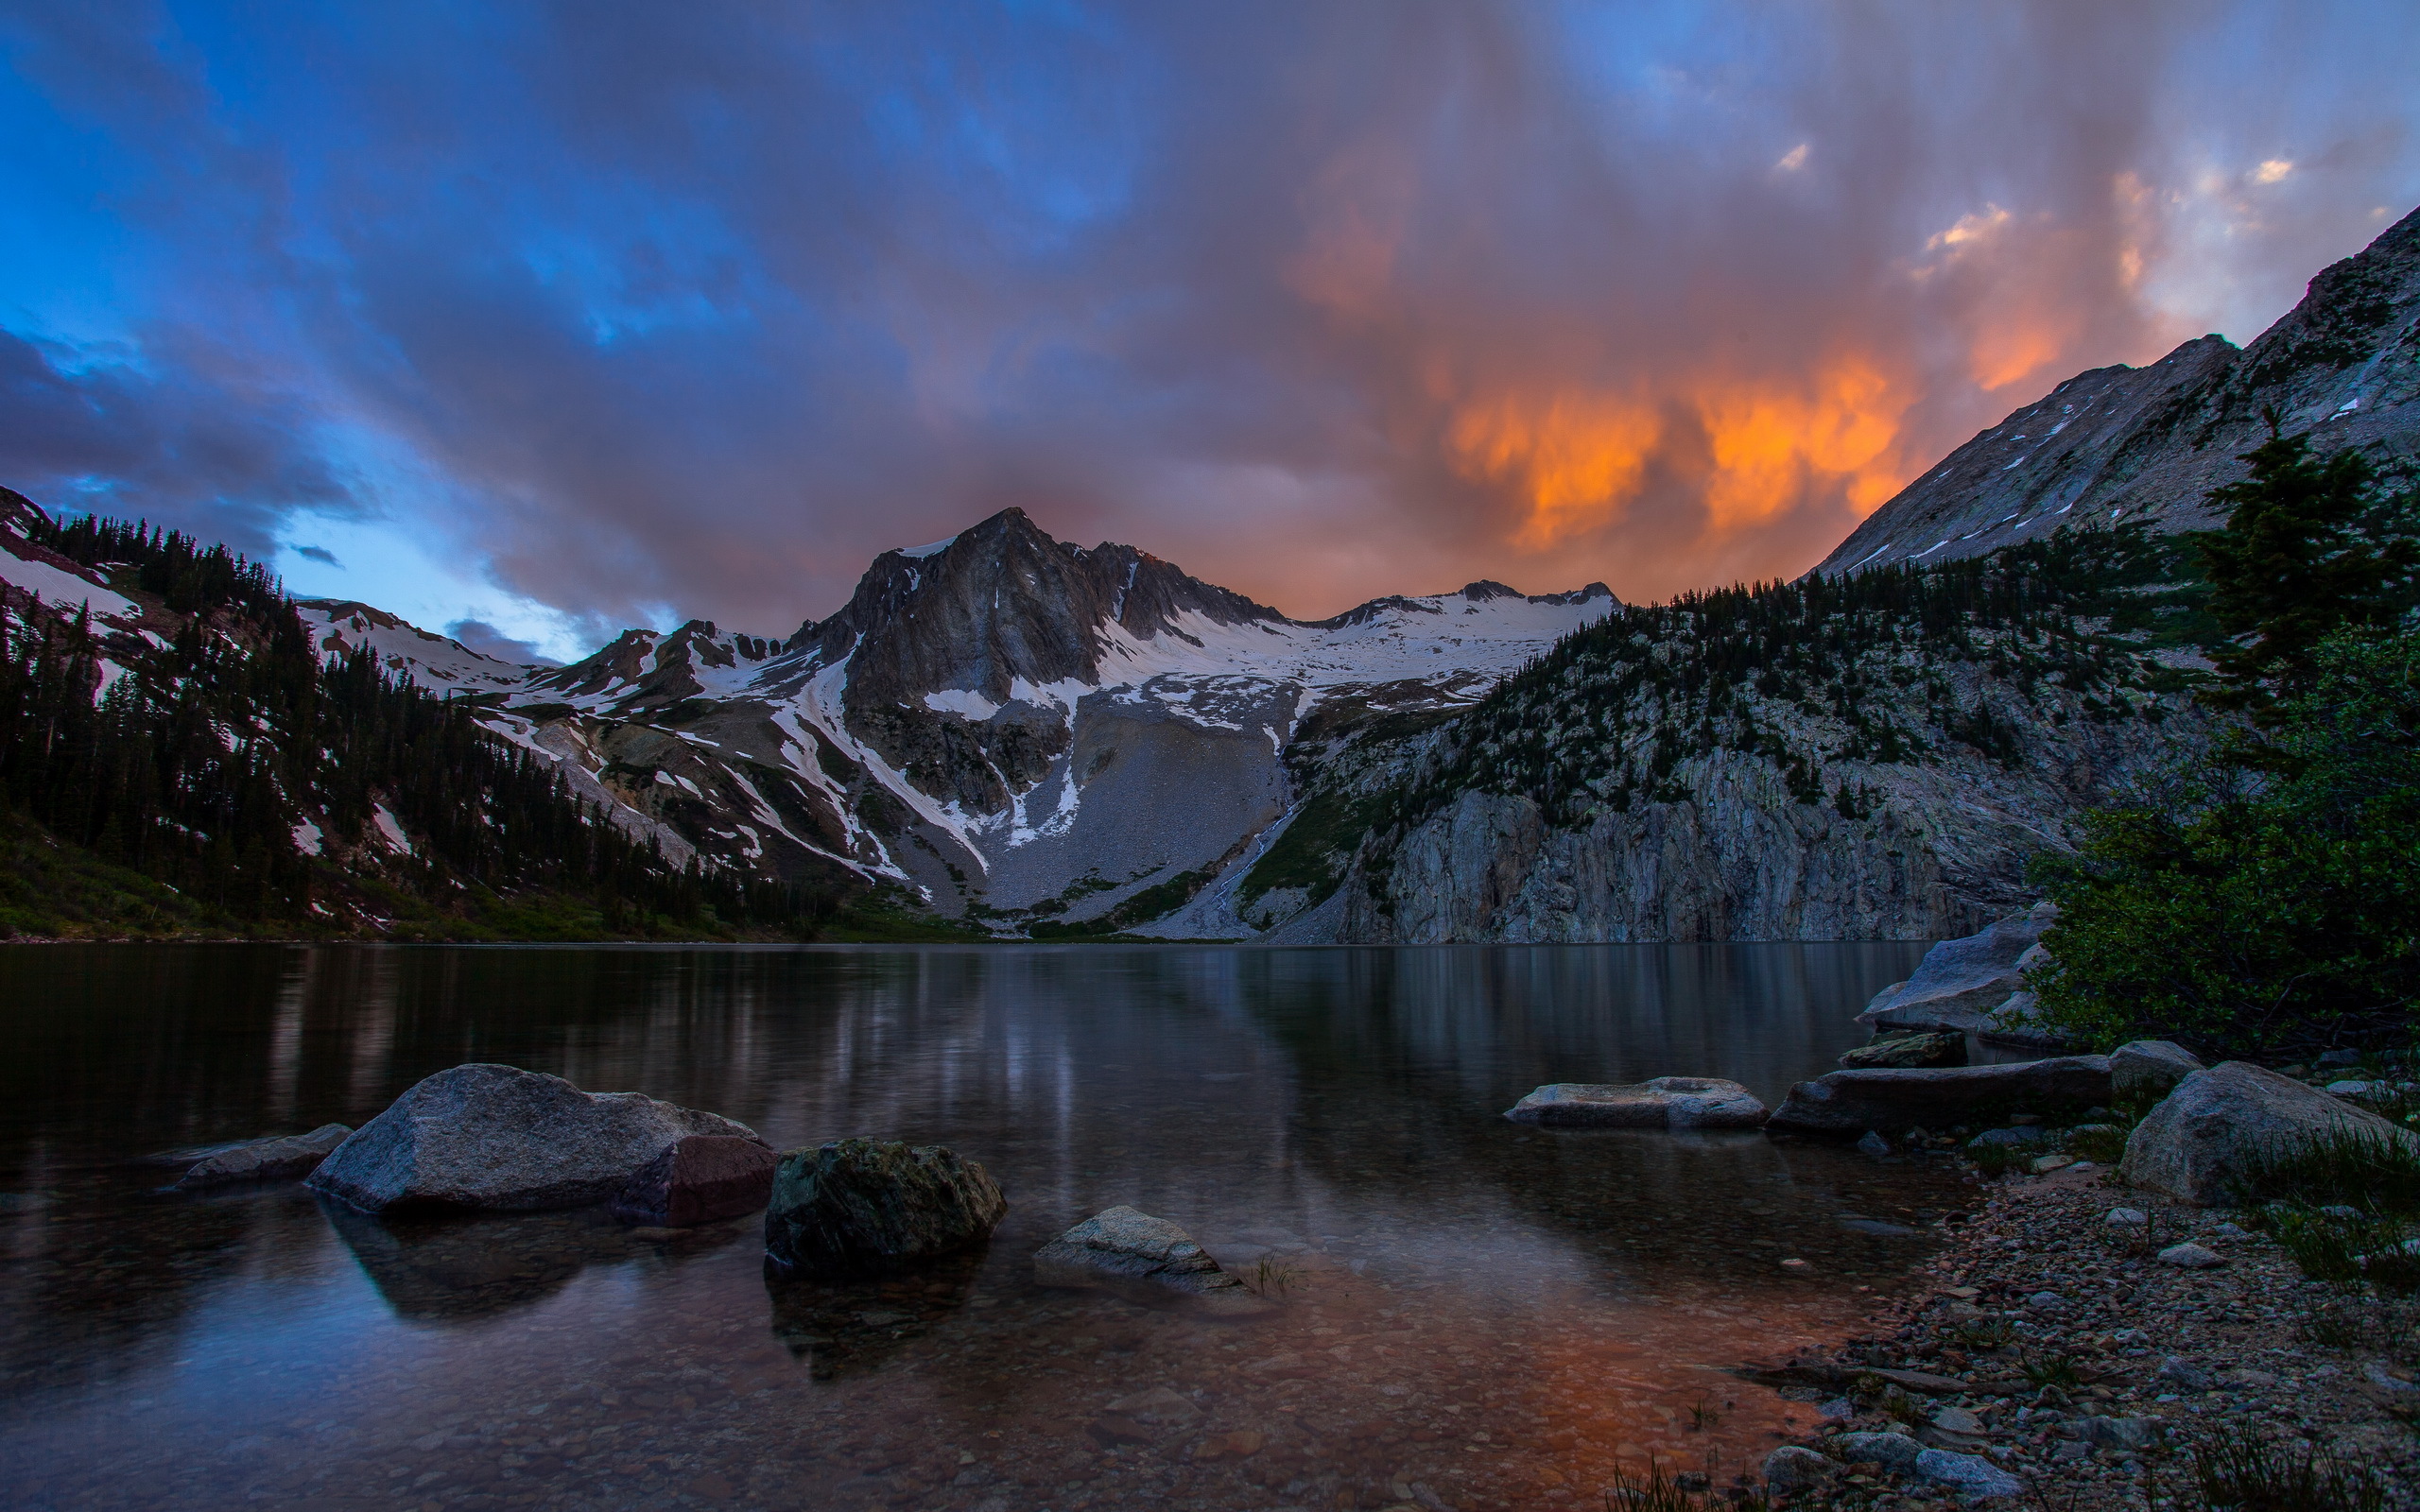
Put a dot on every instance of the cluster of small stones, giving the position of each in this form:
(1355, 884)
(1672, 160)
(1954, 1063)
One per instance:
(2180, 1326)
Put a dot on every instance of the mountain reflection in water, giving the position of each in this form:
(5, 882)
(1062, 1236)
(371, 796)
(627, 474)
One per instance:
(1477, 1314)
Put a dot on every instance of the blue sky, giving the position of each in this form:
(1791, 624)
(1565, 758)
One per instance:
(555, 318)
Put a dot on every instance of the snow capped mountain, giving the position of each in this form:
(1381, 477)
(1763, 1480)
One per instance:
(1010, 726)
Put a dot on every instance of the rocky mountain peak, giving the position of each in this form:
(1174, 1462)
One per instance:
(2149, 443)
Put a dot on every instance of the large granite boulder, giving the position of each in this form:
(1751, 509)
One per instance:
(1662, 1102)
(2206, 1139)
(286, 1158)
(2143, 1070)
(1908, 1050)
(501, 1137)
(1129, 1252)
(1961, 983)
(1850, 1102)
(702, 1178)
(858, 1206)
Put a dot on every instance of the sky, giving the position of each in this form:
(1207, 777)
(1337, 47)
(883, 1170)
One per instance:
(534, 321)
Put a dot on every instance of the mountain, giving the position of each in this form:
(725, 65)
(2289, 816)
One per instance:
(181, 753)
(2149, 443)
(1009, 728)
(1034, 738)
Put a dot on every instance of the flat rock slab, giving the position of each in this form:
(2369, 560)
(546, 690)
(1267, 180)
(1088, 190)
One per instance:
(2207, 1141)
(860, 1207)
(1128, 1252)
(1664, 1102)
(503, 1138)
(286, 1158)
(702, 1178)
(1850, 1102)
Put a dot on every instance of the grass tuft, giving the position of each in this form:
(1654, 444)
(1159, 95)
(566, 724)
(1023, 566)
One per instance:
(2249, 1474)
(2350, 1167)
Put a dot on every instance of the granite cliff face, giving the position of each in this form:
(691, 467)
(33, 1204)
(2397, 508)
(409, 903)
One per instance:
(2149, 443)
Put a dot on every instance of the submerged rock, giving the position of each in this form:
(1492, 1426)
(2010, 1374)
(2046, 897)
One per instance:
(1960, 983)
(1850, 1102)
(855, 1207)
(500, 1138)
(283, 1158)
(1908, 1050)
(2207, 1141)
(2146, 1069)
(1128, 1252)
(1663, 1102)
(702, 1178)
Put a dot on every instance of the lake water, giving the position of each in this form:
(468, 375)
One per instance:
(1476, 1313)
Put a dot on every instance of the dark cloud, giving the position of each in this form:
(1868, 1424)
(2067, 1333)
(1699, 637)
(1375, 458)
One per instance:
(487, 641)
(654, 307)
(200, 445)
(324, 554)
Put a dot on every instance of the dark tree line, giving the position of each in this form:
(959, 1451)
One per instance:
(208, 763)
(1605, 718)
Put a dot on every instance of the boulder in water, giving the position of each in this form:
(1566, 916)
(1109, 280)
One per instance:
(1663, 1102)
(500, 1138)
(283, 1158)
(1850, 1102)
(1961, 983)
(1910, 1049)
(2207, 1141)
(1128, 1252)
(858, 1206)
(702, 1178)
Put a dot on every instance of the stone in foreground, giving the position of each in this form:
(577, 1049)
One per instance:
(1910, 1049)
(702, 1178)
(1892, 1452)
(2206, 1139)
(501, 1137)
(1971, 1476)
(1850, 1102)
(1960, 983)
(1664, 1102)
(1792, 1469)
(284, 1159)
(2146, 1069)
(859, 1207)
(1128, 1252)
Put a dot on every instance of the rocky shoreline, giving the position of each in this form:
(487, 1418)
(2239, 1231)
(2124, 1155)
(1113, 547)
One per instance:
(2050, 1342)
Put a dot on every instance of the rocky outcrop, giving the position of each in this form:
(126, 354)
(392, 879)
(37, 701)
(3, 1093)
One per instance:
(702, 1178)
(859, 1207)
(2136, 444)
(2143, 1070)
(1662, 1102)
(1128, 1252)
(498, 1136)
(2209, 1141)
(286, 1158)
(1961, 983)
(1909, 1050)
(1850, 1102)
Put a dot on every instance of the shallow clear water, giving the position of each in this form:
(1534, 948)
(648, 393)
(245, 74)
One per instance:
(1476, 1313)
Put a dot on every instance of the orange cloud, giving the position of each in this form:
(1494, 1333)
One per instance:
(1578, 460)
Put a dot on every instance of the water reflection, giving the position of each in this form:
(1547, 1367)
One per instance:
(1483, 1303)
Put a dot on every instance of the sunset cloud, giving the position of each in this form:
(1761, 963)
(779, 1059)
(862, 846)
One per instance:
(630, 313)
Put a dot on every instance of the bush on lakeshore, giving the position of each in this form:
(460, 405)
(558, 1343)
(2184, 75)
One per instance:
(2267, 901)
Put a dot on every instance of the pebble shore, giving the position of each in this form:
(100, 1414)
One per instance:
(2058, 1347)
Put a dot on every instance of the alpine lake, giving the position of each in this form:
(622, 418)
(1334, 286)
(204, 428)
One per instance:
(1475, 1313)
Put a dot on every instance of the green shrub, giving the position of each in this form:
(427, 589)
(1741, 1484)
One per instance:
(2248, 1474)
